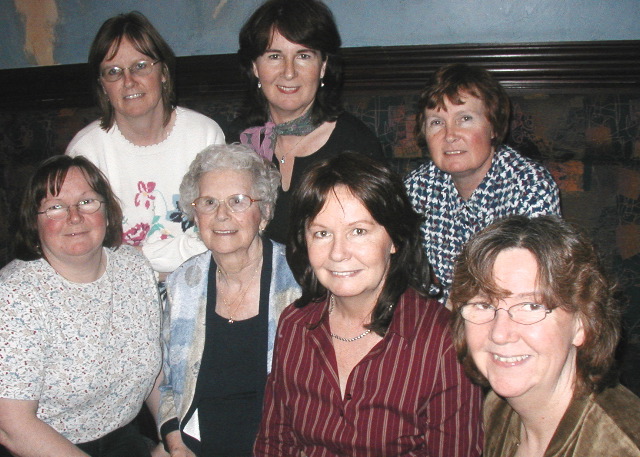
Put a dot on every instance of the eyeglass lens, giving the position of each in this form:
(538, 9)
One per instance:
(522, 313)
(236, 203)
(58, 212)
(141, 68)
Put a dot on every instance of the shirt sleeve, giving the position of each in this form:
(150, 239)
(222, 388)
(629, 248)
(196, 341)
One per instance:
(542, 197)
(22, 347)
(168, 254)
(454, 418)
(167, 416)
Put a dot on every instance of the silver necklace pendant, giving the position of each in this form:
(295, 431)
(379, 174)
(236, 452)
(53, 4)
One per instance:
(282, 160)
(230, 320)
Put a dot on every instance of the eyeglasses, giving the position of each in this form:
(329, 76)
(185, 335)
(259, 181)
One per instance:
(236, 203)
(59, 212)
(141, 68)
(523, 313)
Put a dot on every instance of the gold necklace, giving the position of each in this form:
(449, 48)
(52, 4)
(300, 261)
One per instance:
(342, 338)
(241, 295)
(284, 155)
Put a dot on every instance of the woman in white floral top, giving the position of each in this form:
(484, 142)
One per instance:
(79, 322)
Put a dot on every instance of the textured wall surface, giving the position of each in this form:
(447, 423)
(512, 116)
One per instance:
(41, 32)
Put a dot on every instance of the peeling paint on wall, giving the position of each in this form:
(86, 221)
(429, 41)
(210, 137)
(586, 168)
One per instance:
(40, 18)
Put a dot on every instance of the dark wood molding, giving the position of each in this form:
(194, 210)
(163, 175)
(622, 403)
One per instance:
(600, 66)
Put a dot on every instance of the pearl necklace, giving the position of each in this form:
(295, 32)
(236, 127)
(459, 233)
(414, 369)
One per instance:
(341, 338)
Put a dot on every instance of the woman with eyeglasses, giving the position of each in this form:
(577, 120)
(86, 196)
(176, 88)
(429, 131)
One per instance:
(223, 307)
(79, 322)
(536, 320)
(144, 143)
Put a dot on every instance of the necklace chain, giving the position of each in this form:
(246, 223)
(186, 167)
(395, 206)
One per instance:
(241, 295)
(332, 304)
(285, 154)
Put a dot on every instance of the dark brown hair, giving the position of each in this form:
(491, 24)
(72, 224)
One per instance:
(48, 180)
(449, 81)
(136, 28)
(383, 194)
(306, 22)
(570, 276)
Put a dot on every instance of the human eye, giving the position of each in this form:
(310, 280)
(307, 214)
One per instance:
(140, 65)
(86, 201)
(481, 306)
(112, 71)
(531, 307)
(56, 207)
(359, 231)
(321, 234)
(272, 55)
(433, 123)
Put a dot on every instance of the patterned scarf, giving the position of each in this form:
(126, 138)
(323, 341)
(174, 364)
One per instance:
(262, 139)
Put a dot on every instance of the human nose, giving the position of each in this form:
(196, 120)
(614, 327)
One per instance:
(74, 216)
(127, 77)
(339, 249)
(290, 70)
(503, 328)
(222, 211)
(451, 132)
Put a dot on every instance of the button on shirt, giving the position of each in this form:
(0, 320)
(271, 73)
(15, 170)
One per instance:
(513, 185)
(407, 397)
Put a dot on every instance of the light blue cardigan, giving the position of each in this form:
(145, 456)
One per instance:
(184, 328)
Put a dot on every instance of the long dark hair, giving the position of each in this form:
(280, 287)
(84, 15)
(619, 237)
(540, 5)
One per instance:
(382, 192)
(306, 22)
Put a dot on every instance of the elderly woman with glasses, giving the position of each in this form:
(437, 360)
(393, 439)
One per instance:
(144, 143)
(79, 322)
(223, 307)
(535, 319)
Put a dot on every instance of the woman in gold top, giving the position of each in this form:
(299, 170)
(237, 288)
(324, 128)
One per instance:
(548, 356)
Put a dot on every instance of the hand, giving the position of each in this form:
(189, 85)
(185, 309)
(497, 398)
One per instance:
(159, 451)
(177, 446)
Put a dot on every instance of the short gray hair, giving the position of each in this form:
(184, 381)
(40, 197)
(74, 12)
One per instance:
(265, 177)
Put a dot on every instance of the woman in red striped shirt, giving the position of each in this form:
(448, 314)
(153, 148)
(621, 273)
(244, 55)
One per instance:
(364, 362)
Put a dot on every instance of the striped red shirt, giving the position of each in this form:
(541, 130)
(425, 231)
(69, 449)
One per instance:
(407, 397)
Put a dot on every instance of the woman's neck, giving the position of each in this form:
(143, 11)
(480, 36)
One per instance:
(238, 265)
(85, 271)
(539, 421)
(146, 130)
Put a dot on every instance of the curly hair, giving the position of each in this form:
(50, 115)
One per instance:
(265, 177)
(449, 81)
(570, 276)
(306, 22)
(383, 194)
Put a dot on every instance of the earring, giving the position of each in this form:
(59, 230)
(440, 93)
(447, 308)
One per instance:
(321, 82)
(259, 85)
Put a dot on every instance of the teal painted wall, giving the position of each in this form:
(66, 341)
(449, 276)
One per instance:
(195, 27)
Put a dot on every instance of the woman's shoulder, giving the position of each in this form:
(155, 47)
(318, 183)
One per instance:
(20, 272)
(190, 117)
(89, 134)
(622, 407)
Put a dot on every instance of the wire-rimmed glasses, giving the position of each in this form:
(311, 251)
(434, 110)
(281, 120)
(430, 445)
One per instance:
(140, 68)
(60, 212)
(525, 313)
(236, 203)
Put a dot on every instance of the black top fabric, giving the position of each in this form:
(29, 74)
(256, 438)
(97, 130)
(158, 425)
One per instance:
(350, 134)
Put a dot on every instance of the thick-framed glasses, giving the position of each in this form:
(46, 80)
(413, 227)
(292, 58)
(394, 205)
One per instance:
(236, 203)
(60, 212)
(141, 68)
(526, 313)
